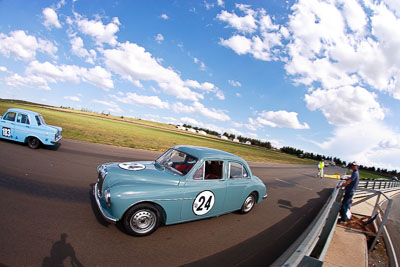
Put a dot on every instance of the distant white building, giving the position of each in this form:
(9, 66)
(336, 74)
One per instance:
(236, 140)
(223, 137)
(180, 127)
(248, 143)
(202, 132)
(192, 130)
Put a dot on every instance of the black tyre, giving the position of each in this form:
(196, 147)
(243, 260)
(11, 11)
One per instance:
(33, 142)
(141, 220)
(248, 204)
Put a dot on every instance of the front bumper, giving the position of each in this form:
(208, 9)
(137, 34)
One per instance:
(264, 197)
(56, 140)
(103, 212)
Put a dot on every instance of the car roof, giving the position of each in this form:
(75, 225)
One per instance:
(205, 152)
(17, 110)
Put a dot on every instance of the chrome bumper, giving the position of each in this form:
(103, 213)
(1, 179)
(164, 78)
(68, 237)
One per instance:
(57, 139)
(264, 197)
(105, 216)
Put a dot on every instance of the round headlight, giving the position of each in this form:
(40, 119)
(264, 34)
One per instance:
(107, 197)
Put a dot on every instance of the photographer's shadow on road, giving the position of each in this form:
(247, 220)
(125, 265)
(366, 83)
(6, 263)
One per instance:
(59, 252)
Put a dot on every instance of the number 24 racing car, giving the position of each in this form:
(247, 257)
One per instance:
(185, 183)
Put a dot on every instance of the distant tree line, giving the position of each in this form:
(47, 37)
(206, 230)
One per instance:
(230, 136)
(300, 153)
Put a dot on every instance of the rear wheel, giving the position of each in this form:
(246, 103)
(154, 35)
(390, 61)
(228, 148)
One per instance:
(33, 142)
(248, 204)
(141, 220)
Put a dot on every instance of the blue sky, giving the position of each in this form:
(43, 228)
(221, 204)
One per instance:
(322, 76)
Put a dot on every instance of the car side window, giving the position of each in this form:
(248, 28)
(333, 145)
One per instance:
(10, 116)
(38, 120)
(237, 170)
(199, 175)
(213, 169)
(22, 118)
(210, 170)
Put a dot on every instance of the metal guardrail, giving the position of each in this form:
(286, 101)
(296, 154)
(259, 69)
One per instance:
(377, 185)
(310, 248)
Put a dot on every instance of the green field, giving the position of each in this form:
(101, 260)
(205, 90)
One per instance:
(136, 133)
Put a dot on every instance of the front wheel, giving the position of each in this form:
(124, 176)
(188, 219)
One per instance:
(141, 220)
(33, 142)
(248, 204)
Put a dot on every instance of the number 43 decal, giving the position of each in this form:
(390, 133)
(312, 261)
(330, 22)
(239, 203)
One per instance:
(203, 202)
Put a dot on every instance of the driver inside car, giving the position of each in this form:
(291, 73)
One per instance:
(186, 166)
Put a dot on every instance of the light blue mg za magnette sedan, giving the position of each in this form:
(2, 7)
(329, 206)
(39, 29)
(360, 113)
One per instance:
(185, 183)
(28, 127)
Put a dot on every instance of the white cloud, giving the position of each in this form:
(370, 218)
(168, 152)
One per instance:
(234, 83)
(78, 49)
(50, 18)
(369, 143)
(159, 38)
(281, 119)
(238, 43)
(345, 105)
(245, 24)
(102, 33)
(72, 98)
(140, 100)
(4, 69)
(133, 63)
(198, 108)
(206, 87)
(202, 65)
(339, 46)
(191, 121)
(96, 76)
(111, 106)
(31, 81)
(265, 38)
(164, 16)
(24, 46)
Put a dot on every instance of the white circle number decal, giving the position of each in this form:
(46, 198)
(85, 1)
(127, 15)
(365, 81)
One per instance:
(203, 203)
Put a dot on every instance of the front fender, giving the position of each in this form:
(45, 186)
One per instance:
(168, 198)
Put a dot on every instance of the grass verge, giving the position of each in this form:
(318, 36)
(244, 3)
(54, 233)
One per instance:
(141, 134)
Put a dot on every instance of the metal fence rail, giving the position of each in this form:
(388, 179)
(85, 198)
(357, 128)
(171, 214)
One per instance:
(378, 185)
(310, 248)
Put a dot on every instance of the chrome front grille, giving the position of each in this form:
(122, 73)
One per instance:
(101, 176)
(100, 182)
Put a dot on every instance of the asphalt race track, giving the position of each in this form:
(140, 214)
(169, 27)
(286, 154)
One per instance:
(49, 217)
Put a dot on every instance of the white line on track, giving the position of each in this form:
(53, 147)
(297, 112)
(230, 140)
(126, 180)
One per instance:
(286, 182)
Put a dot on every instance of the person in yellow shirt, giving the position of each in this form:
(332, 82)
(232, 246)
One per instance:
(321, 166)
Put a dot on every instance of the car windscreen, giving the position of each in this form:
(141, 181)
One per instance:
(177, 161)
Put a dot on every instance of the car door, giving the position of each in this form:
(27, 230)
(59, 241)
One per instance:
(8, 125)
(238, 181)
(22, 127)
(205, 191)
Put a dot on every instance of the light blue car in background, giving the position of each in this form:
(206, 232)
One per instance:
(185, 183)
(28, 127)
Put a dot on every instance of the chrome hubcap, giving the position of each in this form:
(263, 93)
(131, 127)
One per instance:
(249, 203)
(143, 221)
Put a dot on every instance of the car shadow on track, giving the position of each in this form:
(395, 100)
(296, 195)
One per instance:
(46, 147)
(264, 248)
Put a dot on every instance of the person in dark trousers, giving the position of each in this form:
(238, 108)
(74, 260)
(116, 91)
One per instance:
(350, 187)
